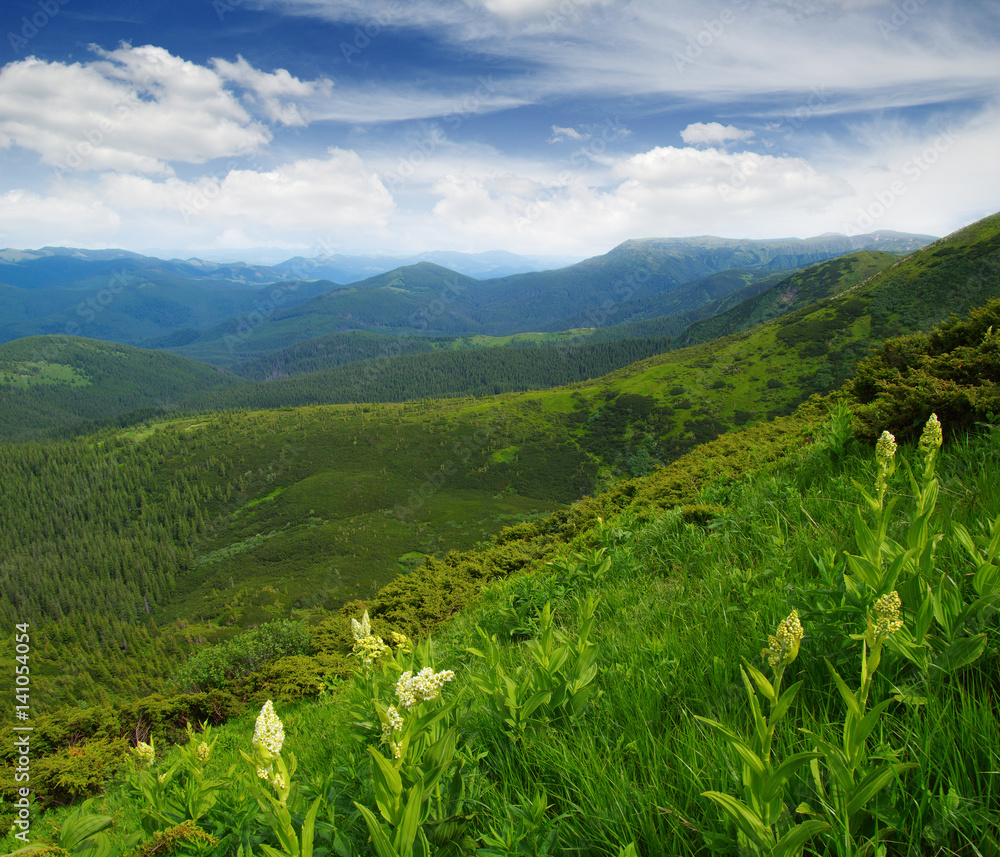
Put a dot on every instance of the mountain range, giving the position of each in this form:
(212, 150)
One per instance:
(227, 312)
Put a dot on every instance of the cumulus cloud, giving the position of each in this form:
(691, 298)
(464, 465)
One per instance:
(336, 195)
(713, 132)
(140, 109)
(306, 195)
(136, 109)
(705, 182)
(662, 191)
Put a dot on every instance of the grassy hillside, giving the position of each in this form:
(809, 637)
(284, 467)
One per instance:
(229, 519)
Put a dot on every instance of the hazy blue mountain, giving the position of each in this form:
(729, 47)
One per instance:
(353, 269)
(225, 312)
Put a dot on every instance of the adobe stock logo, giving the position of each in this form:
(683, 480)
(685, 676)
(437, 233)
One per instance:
(913, 170)
(30, 27)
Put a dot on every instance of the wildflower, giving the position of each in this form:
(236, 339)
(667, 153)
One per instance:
(269, 733)
(887, 618)
(930, 439)
(401, 642)
(423, 686)
(393, 724)
(162, 778)
(278, 782)
(361, 629)
(885, 453)
(263, 773)
(144, 753)
(783, 645)
(203, 752)
(370, 649)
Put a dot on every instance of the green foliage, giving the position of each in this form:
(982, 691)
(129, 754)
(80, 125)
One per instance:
(81, 834)
(953, 371)
(184, 792)
(78, 771)
(800, 289)
(167, 841)
(554, 688)
(528, 830)
(223, 664)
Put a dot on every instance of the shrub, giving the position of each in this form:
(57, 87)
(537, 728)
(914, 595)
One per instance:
(218, 665)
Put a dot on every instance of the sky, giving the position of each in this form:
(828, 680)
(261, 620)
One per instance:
(533, 126)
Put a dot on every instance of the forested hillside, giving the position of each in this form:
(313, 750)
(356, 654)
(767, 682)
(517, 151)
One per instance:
(55, 385)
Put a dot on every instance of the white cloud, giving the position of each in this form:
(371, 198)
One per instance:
(63, 220)
(292, 204)
(713, 132)
(560, 134)
(306, 195)
(556, 10)
(136, 110)
(272, 89)
(661, 192)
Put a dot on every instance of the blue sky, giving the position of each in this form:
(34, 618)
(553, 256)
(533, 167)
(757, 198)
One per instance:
(535, 126)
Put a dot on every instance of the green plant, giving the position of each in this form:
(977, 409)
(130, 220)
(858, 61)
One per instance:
(837, 434)
(421, 792)
(527, 830)
(557, 685)
(762, 816)
(81, 834)
(270, 766)
(853, 780)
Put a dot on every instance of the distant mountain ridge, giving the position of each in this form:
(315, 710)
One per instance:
(228, 312)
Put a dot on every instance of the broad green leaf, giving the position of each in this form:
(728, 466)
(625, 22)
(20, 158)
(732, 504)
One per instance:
(387, 784)
(792, 843)
(383, 847)
(309, 828)
(864, 727)
(964, 651)
(761, 681)
(850, 700)
(877, 780)
(540, 698)
(745, 819)
(786, 699)
(409, 825)
(776, 780)
(75, 832)
(745, 752)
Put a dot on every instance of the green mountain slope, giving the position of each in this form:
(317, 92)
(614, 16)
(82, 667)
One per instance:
(131, 306)
(637, 279)
(226, 520)
(55, 384)
(798, 290)
(409, 301)
(642, 268)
